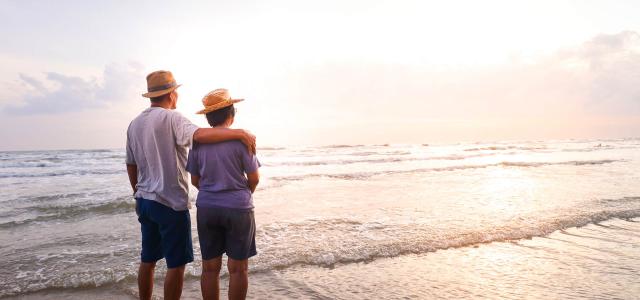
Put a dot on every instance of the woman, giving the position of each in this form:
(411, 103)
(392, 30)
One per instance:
(225, 204)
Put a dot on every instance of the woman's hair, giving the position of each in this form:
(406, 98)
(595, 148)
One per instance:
(219, 116)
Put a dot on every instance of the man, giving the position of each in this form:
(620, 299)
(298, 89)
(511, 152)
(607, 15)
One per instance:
(157, 143)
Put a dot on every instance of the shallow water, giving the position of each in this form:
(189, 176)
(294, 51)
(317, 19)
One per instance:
(502, 220)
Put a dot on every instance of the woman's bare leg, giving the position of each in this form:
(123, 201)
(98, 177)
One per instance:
(238, 278)
(210, 278)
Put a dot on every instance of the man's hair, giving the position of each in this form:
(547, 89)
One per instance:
(159, 98)
(219, 116)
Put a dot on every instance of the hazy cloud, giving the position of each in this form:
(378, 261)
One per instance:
(615, 69)
(60, 93)
(600, 77)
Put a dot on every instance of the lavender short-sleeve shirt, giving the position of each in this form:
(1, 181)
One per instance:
(222, 168)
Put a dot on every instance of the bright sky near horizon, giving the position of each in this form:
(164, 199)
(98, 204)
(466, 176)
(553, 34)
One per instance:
(324, 72)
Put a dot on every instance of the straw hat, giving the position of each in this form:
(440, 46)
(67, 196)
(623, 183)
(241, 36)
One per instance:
(160, 83)
(217, 99)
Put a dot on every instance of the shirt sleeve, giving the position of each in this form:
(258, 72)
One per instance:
(192, 163)
(183, 130)
(130, 159)
(250, 162)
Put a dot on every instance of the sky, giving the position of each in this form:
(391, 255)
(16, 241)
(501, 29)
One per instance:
(324, 72)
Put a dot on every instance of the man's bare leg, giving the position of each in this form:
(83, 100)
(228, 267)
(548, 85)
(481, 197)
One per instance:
(145, 280)
(210, 278)
(238, 278)
(173, 283)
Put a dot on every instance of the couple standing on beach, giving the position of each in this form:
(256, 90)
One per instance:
(157, 164)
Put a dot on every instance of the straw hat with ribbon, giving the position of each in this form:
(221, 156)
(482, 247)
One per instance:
(217, 99)
(160, 83)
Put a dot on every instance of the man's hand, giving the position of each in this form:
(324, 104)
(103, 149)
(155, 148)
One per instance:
(132, 171)
(249, 140)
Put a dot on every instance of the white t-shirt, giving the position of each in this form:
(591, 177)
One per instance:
(157, 142)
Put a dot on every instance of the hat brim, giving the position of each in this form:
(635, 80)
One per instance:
(160, 92)
(220, 105)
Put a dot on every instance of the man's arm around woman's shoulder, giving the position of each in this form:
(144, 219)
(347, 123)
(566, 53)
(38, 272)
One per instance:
(216, 135)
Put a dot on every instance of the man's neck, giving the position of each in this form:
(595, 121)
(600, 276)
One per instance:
(161, 104)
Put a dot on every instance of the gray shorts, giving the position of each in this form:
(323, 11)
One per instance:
(226, 230)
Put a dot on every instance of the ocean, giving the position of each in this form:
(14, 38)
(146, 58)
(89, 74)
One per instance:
(505, 220)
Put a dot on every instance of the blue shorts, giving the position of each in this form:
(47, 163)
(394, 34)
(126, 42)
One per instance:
(226, 230)
(165, 233)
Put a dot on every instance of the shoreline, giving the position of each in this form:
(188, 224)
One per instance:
(452, 272)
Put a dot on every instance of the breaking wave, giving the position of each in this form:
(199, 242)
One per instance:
(50, 212)
(287, 244)
(365, 175)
